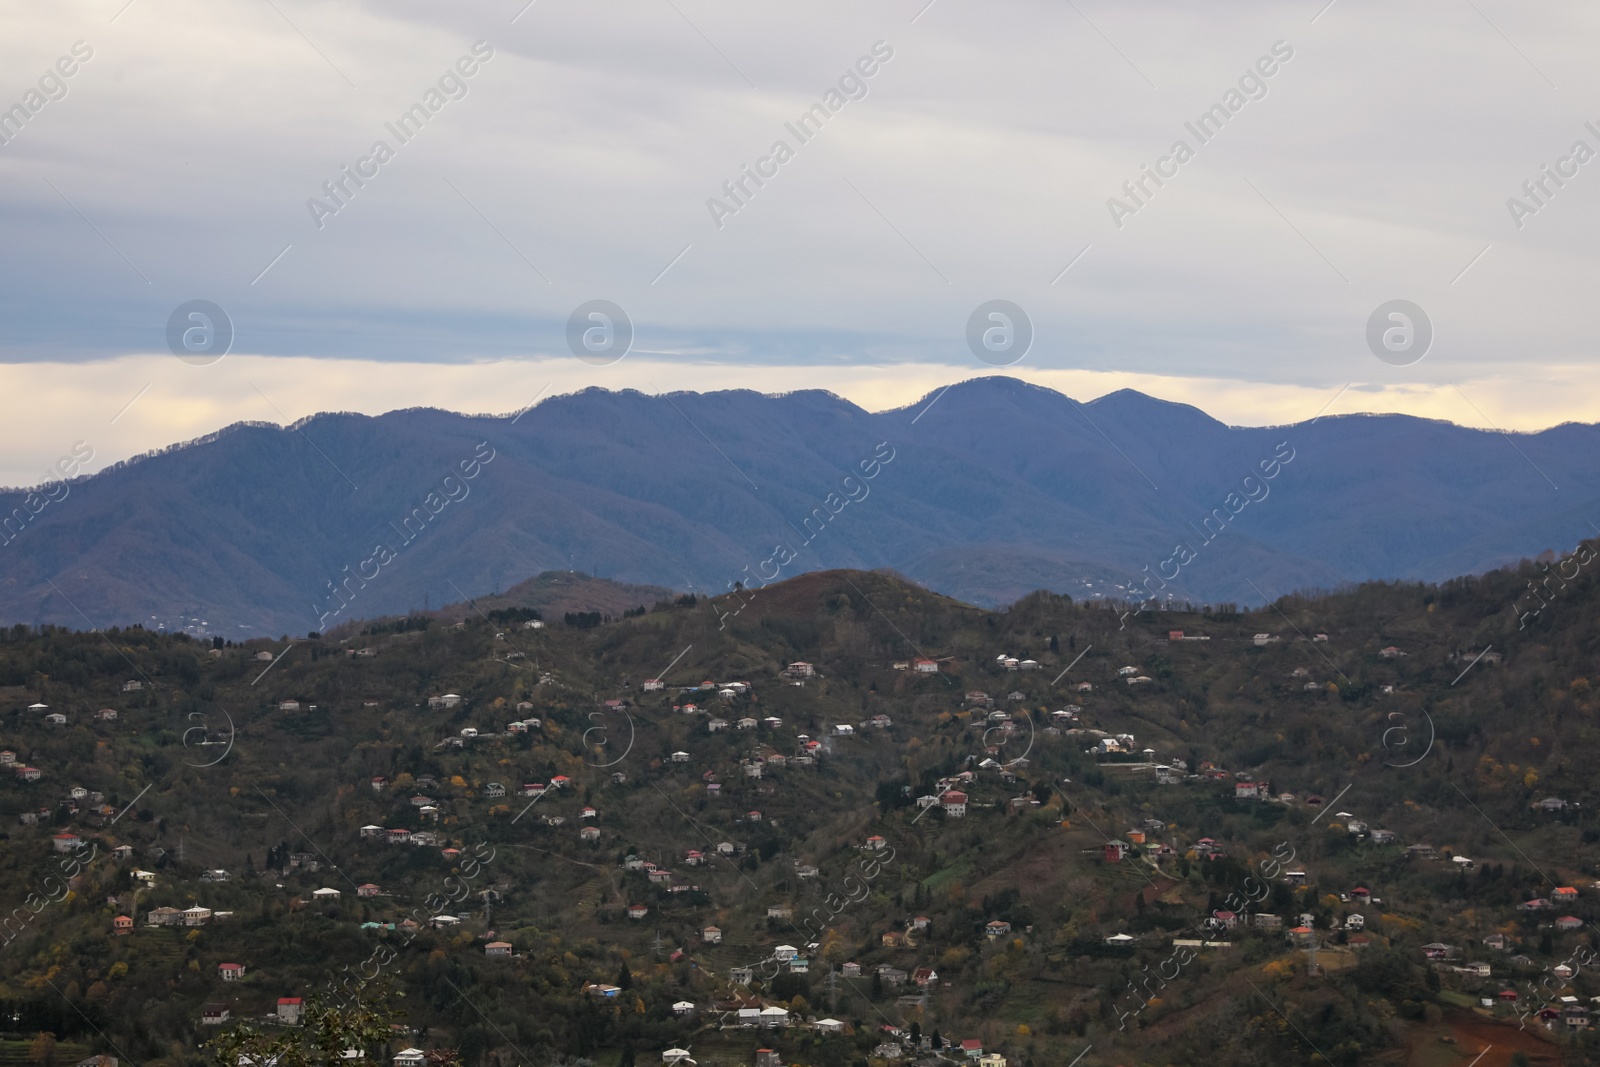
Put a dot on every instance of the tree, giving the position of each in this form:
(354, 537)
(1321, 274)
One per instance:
(625, 977)
(43, 1049)
(321, 1041)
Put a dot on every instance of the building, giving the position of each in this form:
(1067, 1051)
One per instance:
(411, 1057)
(711, 935)
(497, 950)
(230, 972)
(954, 803)
(997, 928)
(213, 1015)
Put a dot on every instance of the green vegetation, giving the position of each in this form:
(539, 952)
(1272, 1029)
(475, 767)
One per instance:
(207, 767)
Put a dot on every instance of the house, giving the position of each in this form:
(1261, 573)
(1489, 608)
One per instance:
(196, 916)
(1551, 804)
(1536, 904)
(892, 976)
(29, 774)
(785, 953)
(711, 935)
(66, 842)
(1361, 895)
(411, 1057)
(106, 715)
(1114, 851)
(1247, 790)
(55, 718)
(997, 928)
(494, 789)
(122, 924)
(1568, 922)
(800, 670)
(1355, 921)
(290, 1010)
(367, 889)
(800, 965)
(774, 1018)
(972, 1048)
(213, 1015)
(954, 803)
(230, 972)
(1563, 894)
(1266, 921)
(924, 976)
(133, 685)
(637, 911)
(326, 893)
(925, 666)
(1382, 837)
(497, 950)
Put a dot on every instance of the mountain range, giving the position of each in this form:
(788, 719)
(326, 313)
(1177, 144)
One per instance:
(984, 491)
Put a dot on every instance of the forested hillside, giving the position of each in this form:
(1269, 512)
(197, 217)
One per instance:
(1061, 830)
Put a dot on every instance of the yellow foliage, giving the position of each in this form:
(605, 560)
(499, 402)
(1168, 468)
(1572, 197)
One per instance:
(954, 957)
(1531, 777)
(1022, 1030)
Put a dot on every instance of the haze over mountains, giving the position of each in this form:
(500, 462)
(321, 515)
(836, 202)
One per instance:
(985, 492)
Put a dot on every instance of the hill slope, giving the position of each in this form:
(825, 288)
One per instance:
(295, 774)
(984, 491)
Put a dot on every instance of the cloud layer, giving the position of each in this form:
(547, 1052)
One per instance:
(580, 158)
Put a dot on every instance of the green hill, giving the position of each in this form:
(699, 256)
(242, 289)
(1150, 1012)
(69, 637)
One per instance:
(276, 770)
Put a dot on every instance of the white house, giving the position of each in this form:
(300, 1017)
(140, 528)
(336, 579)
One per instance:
(411, 1057)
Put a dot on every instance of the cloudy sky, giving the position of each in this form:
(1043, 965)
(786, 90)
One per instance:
(577, 162)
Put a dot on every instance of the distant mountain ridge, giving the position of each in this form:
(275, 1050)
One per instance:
(985, 491)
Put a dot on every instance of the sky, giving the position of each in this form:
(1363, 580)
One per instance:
(560, 153)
